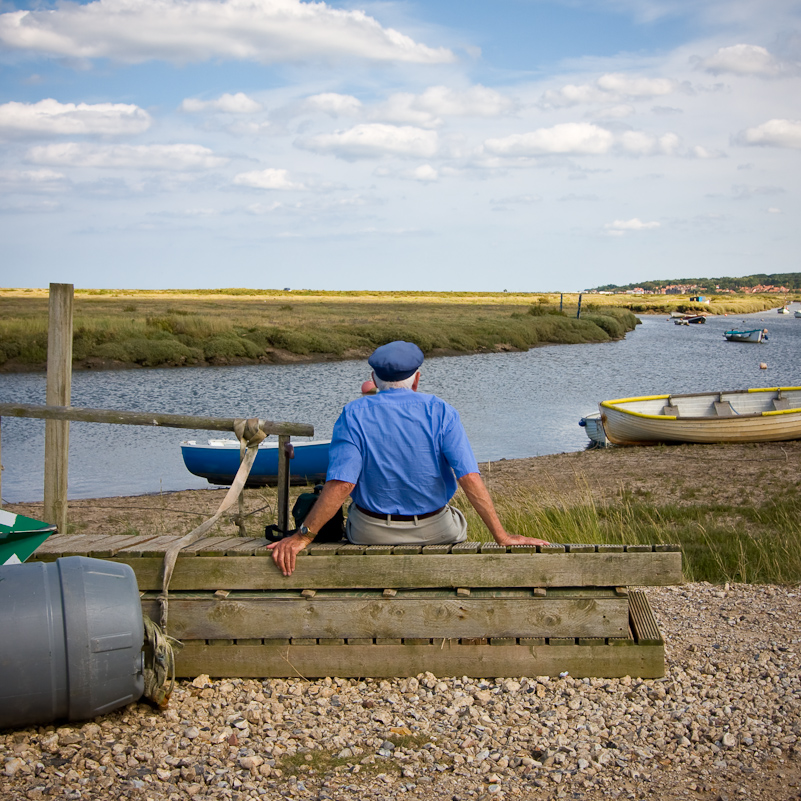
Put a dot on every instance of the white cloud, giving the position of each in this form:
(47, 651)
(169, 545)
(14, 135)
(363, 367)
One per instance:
(620, 227)
(428, 109)
(773, 133)
(502, 204)
(744, 59)
(373, 140)
(32, 176)
(267, 179)
(570, 138)
(774, 210)
(609, 87)
(637, 143)
(239, 103)
(635, 86)
(334, 104)
(425, 173)
(149, 157)
(618, 112)
(51, 117)
(700, 152)
(582, 139)
(265, 31)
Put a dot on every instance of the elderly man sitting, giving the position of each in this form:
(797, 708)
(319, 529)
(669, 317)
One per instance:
(399, 454)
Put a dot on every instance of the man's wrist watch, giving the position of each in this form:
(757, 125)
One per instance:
(305, 532)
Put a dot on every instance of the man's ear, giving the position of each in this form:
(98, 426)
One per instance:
(416, 381)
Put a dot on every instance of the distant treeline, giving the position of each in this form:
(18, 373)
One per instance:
(709, 285)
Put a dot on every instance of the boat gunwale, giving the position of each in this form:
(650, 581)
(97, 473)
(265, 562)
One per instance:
(612, 404)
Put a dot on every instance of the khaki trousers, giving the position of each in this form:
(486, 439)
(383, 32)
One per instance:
(446, 527)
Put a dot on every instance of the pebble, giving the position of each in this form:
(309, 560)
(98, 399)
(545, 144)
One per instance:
(724, 722)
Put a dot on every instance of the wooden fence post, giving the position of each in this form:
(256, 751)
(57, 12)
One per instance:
(282, 490)
(59, 390)
(578, 313)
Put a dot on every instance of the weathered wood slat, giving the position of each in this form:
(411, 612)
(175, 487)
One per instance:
(119, 417)
(377, 617)
(643, 622)
(441, 658)
(417, 570)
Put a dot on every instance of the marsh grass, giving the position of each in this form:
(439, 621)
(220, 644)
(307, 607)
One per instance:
(719, 543)
(184, 329)
(173, 328)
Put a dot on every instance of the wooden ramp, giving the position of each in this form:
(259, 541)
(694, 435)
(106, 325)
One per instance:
(474, 609)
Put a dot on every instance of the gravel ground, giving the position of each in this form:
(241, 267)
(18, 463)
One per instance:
(722, 724)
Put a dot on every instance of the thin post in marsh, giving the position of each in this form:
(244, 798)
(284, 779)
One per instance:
(578, 313)
(58, 393)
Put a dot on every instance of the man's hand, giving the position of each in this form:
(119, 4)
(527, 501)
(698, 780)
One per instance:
(519, 539)
(285, 552)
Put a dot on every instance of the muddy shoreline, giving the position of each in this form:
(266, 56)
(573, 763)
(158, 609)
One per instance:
(703, 475)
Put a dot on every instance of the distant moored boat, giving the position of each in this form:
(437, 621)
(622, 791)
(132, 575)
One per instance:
(752, 335)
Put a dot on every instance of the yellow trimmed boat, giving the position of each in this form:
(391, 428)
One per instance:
(747, 415)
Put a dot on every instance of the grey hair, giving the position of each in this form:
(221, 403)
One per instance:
(406, 383)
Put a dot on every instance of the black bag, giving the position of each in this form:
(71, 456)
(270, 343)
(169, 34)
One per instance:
(332, 531)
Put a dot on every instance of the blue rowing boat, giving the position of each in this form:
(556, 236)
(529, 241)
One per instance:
(218, 460)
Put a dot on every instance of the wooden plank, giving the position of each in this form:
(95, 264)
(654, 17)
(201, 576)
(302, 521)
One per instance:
(119, 417)
(643, 622)
(114, 543)
(57, 393)
(246, 546)
(58, 544)
(245, 616)
(418, 570)
(282, 488)
(324, 548)
(148, 548)
(350, 548)
(442, 659)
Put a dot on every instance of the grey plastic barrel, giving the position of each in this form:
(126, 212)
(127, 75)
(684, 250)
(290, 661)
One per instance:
(71, 636)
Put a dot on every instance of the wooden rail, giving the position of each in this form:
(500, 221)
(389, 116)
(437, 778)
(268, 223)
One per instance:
(119, 417)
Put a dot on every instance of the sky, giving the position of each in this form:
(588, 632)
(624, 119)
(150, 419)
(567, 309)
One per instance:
(519, 145)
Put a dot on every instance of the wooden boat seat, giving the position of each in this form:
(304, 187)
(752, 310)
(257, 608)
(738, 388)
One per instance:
(723, 409)
(781, 404)
(670, 410)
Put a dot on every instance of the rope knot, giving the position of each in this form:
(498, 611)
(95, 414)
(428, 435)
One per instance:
(249, 432)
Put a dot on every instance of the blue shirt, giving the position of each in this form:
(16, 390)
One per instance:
(401, 449)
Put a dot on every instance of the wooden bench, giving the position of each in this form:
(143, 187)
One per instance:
(475, 609)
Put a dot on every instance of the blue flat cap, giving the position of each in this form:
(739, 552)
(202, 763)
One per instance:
(396, 360)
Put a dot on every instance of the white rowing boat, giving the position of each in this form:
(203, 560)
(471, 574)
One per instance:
(748, 415)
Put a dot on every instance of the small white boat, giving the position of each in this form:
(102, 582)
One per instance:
(752, 335)
(748, 415)
(595, 430)
(783, 310)
(797, 313)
